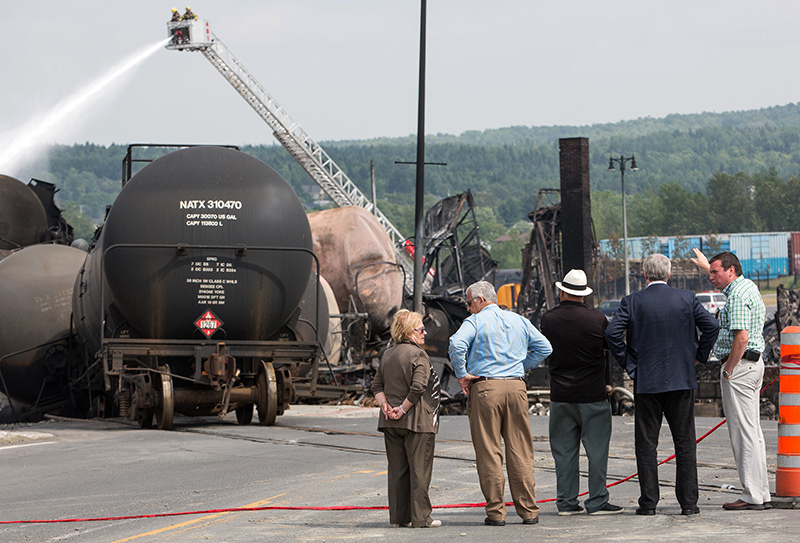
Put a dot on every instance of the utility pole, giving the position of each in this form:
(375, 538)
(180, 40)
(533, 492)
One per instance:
(419, 227)
(372, 183)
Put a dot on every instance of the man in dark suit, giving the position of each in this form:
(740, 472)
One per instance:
(660, 324)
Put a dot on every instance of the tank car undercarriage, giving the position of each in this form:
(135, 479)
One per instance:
(148, 379)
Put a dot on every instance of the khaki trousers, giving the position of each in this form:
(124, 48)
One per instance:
(410, 456)
(742, 405)
(499, 409)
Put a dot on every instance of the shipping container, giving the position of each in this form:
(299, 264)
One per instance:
(667, 245)
(637, 247)
(681, 246)
(763, 255)
(794, 253)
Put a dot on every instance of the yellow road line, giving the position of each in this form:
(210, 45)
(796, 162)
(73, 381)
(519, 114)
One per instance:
(195, 521)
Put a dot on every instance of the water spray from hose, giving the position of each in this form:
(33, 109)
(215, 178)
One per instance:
(24, 141)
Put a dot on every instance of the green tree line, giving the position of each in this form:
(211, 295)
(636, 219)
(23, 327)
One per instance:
(697, 173)
(762, 202)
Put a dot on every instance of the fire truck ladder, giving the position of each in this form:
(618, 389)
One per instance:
(308, 153)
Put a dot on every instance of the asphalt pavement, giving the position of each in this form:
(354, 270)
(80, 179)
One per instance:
(322, 457)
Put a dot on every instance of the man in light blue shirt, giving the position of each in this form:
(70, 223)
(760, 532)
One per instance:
(490, 354)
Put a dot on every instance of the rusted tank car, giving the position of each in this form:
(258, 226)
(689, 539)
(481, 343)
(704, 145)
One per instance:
(359, 262)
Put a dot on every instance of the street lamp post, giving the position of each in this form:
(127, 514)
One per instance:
(621, 161)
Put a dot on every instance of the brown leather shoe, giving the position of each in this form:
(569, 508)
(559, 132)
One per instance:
(740, 505)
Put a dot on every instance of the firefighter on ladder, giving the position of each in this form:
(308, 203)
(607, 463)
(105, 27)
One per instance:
(189, 15)
(176, 16)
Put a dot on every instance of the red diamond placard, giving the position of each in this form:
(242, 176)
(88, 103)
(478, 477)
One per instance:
(208, 323)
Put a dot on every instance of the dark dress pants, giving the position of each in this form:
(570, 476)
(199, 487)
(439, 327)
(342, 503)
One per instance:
(570, 425)
(410, 458)
(677, 407)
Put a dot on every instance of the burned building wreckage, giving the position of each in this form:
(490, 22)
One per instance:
(563, 238)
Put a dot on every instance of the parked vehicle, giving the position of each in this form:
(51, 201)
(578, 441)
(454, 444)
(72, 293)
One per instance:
(609, 308)
(712, 301)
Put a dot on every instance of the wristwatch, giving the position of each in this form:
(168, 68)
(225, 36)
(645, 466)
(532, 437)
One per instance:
(726, 373)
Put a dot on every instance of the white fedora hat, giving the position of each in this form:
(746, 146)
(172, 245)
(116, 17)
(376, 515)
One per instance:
(575, 283)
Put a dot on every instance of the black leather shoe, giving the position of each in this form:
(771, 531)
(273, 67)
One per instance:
(568, 512)
(690, 510)
(490, 522)
(534, 520)
(640, 511)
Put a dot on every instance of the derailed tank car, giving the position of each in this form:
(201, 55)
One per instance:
(36, 363)
(28, 215)
(189, 299)
(35, 294)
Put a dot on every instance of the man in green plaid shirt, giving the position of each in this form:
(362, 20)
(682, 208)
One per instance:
(739, 346)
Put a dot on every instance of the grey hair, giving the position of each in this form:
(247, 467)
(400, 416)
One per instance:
(657, 267)
(483, 289)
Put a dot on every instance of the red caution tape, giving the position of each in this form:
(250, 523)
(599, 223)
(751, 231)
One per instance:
(332, 507)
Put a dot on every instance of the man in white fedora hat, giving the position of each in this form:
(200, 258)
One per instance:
(579, 407)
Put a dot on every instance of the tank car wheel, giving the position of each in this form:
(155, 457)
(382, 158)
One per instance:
(144, 415)
(244, 414)
(145, 418)
(165, 400)
(267, 395)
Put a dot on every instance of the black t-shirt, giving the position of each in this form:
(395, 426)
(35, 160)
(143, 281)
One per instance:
(577, 365)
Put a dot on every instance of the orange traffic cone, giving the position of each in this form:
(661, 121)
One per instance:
(787, 478)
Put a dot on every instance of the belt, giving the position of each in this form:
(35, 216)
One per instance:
(749, 354)
(497, 379)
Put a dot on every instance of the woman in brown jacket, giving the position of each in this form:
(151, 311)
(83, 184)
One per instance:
(407, 389)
